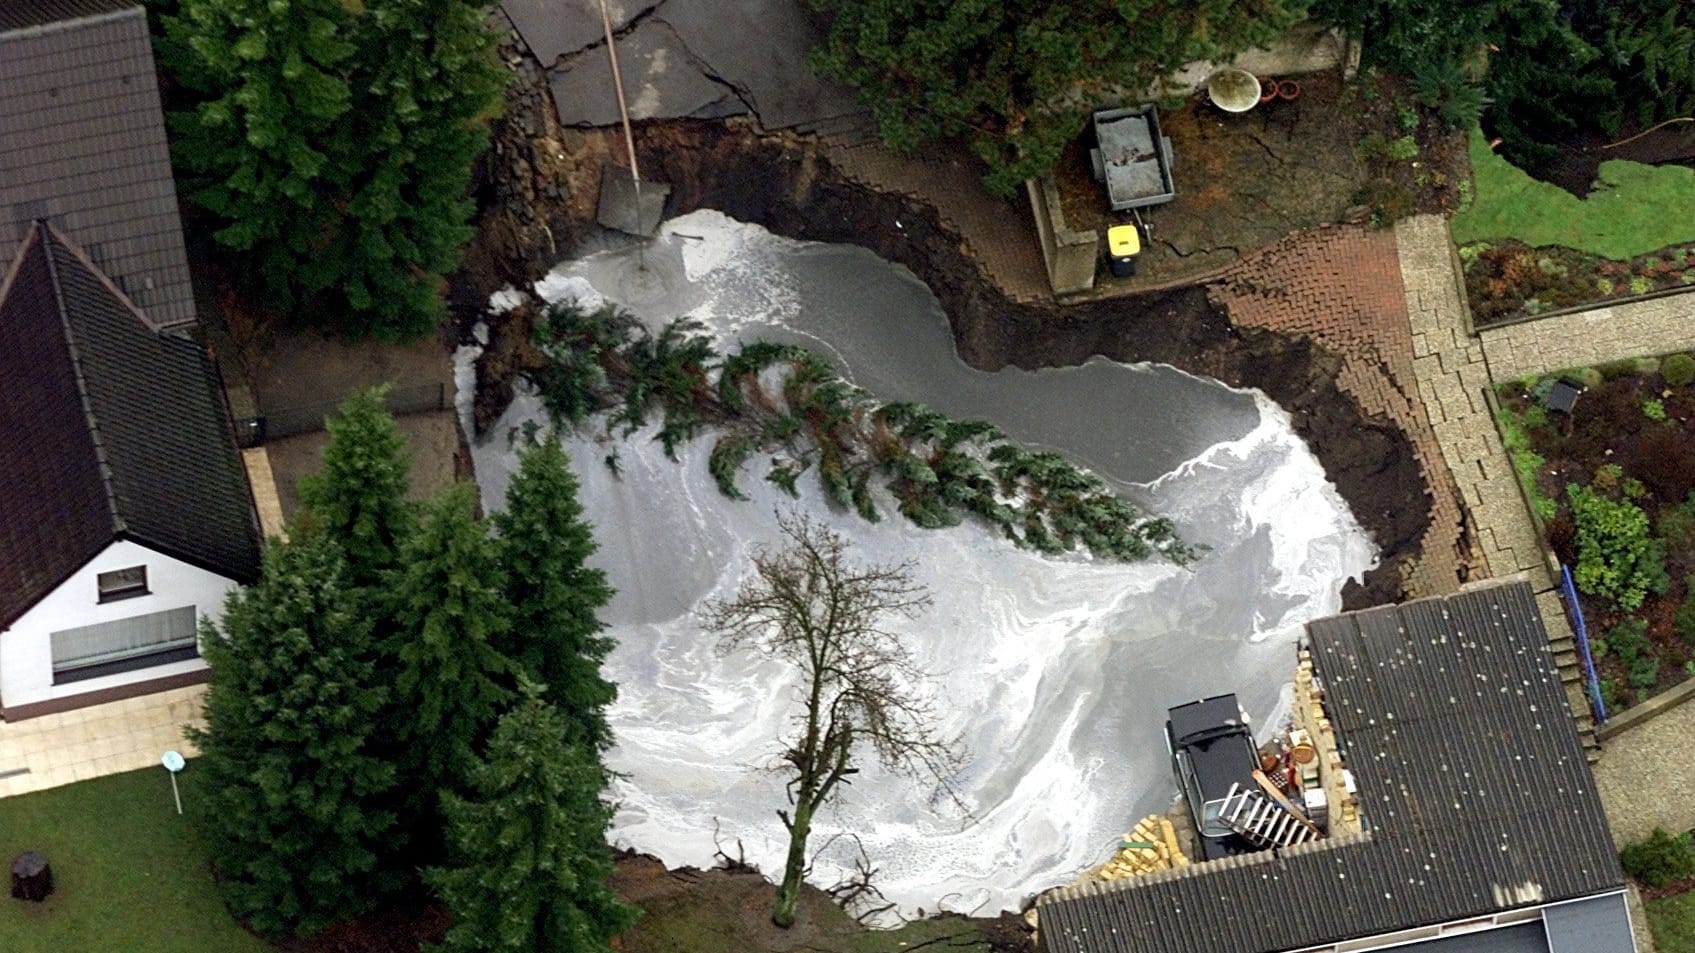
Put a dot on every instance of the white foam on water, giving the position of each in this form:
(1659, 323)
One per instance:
(1054, 672)
(505, 300)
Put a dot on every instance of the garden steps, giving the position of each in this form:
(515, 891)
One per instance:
(1564, 647)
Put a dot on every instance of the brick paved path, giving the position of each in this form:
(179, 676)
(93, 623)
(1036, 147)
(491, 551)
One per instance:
(1343, 286)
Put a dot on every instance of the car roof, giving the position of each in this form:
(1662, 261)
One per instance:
(1205, 715)
(1223, 761)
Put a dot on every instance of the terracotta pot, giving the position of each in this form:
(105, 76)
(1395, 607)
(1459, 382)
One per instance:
(1267, 91)
(1288, 89)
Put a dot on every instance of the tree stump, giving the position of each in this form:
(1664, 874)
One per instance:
(32, 877)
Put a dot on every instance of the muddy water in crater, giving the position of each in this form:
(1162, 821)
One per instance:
(1054, 673)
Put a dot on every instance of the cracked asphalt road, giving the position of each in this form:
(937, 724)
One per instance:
(682, 59)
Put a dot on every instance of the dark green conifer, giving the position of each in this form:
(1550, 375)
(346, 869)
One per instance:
(448, 676)
(554, 594)
(292, 790)
(530, 861)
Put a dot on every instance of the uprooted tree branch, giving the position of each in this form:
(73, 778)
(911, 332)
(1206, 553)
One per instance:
(808, 605)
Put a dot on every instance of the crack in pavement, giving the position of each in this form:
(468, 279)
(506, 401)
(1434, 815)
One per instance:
(706, 69)
(621, 32)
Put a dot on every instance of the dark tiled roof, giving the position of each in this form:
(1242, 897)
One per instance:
(108, 429)
(1454, 722)
(18, 14)
(82, 144)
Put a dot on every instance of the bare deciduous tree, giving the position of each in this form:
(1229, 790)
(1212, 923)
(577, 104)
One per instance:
(808, 605)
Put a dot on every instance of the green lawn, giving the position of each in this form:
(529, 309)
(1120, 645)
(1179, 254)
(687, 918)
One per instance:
(1673, 923)
(128, 873)
(1635, 208)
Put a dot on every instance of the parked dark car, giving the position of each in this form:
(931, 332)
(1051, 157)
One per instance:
(1212, 747)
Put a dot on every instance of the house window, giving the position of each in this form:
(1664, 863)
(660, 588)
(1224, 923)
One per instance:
(124, 645)
(122, 583)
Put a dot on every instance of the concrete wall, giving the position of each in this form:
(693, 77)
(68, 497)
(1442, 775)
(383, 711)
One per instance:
(1304, 49)
(26, 653)
(1070, 256)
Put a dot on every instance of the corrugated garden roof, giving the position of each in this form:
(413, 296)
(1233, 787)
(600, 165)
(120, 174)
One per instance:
(109, 429)
(1454, 722)
(82, 144)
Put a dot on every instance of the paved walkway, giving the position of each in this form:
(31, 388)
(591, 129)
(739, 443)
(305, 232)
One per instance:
(1647, 777)
(1658, 326)
(1452, 376)
(1644, 775)
(105, 739)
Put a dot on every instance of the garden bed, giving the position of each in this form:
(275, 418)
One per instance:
(1614, 484)
(1508, 279)
(1530, 246)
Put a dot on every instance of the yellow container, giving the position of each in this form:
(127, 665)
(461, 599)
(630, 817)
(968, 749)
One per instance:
(1123, 241)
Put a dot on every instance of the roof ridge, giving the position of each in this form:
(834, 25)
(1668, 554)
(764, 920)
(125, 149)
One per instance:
(73, 22)
(40, 231)
(100, 275)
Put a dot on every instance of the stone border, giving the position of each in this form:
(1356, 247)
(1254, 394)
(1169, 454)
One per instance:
(1550, 559)
(1642, 711)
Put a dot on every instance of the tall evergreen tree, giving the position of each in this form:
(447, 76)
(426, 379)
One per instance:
(530, 856)
(448, 681)
(554, 594)
(335, 142)
(359, 498)
(292, 783)
(273, 89)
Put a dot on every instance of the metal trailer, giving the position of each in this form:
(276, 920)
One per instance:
(1133, 158)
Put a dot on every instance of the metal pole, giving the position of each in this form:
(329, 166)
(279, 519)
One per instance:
(174, 794)
(623, 113)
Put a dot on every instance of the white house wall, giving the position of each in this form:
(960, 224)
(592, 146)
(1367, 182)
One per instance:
(26, 652)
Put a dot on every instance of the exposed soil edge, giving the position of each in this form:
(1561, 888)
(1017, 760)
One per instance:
(787, 185)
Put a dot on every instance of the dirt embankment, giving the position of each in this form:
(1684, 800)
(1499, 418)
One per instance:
(785, 184)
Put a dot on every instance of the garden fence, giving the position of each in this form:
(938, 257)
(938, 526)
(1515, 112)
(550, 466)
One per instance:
(309, 418)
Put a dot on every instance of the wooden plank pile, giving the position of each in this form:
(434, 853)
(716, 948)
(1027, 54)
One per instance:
(1150, 846)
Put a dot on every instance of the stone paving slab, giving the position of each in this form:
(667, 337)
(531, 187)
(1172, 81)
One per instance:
(96, 741)
(1613, 333)
(1451, 378)
(1646, 776)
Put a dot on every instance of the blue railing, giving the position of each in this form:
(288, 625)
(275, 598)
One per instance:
(1574, 609)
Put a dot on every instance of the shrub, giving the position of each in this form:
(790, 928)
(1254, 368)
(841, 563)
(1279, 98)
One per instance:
(1616, 558)
(1527, 463)
(1676, 526)
(1584, 377)
(1389, 201)
(1654, 410)
(1629, 641)
(1659, 859)
(1644, 673)
(1678, 370)
(1684, 620)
